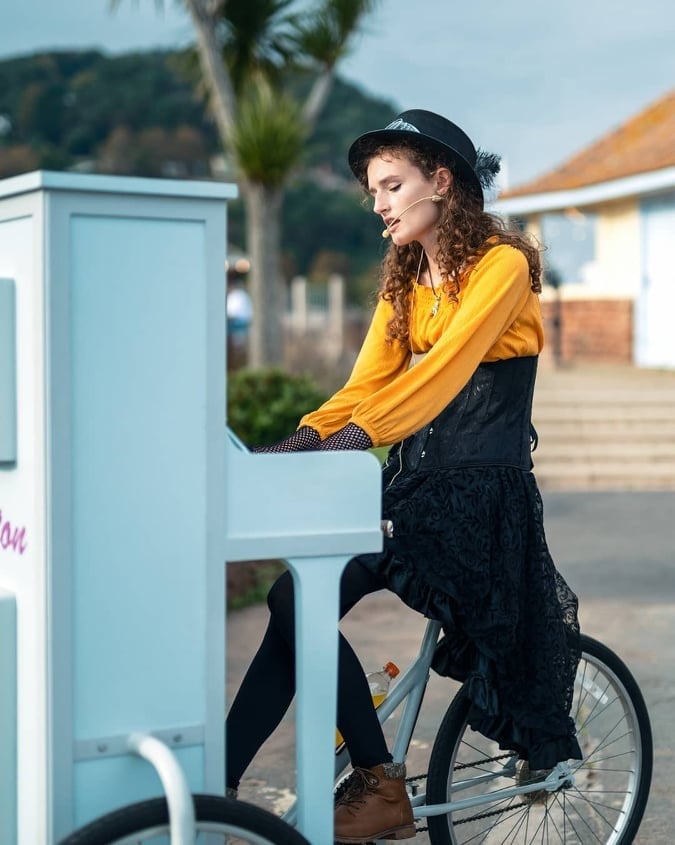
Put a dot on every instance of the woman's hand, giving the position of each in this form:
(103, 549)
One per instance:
(307, 439)
(349, 437)
(302, 440)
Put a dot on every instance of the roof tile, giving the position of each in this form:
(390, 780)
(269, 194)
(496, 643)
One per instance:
(644, 143)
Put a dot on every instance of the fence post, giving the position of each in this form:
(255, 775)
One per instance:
(336, 314)
(299, 307)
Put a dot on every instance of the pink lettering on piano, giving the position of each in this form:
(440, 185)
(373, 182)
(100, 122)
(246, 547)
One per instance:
(12, 538)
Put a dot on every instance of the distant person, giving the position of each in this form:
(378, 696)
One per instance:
(446, 373)
(239, 319)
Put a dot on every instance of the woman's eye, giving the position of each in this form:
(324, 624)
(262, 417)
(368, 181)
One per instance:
(394, 187)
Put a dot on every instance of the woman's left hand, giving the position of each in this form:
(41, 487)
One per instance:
(351, 436)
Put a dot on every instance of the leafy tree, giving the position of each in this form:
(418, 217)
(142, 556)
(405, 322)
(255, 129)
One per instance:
(65, 105)
(144, 114)
(245, 49)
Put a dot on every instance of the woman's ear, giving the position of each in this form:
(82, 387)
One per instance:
(443, 180)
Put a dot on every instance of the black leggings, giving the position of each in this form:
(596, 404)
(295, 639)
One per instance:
(269, 684)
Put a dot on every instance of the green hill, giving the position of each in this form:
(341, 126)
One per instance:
(141, 114)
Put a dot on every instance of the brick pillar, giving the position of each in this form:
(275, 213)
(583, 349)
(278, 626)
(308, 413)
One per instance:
(591, 330)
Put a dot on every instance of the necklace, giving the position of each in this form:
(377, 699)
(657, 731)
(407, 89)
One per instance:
(437, 296)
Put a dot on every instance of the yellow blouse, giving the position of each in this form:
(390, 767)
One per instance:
(497, 316)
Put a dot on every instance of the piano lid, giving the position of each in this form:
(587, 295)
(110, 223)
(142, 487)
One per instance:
(301, 504)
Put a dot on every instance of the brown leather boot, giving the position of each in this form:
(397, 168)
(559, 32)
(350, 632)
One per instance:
(375, 806)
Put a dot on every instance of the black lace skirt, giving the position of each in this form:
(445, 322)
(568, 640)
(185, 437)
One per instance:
(469, 550)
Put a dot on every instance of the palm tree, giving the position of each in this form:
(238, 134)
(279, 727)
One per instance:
(246, 49)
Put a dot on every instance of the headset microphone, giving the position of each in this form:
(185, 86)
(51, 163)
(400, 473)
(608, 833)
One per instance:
(434, 198)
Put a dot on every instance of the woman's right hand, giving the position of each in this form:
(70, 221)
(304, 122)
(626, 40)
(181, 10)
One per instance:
(302, 440)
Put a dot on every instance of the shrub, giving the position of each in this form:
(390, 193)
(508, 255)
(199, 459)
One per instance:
(264, 406)
(248, 582)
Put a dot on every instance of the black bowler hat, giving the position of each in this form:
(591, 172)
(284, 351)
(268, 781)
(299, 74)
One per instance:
(433, 132)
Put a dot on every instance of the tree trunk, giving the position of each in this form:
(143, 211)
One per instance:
(263, 203)
(317, 97)
(218, 82)
(266, 284)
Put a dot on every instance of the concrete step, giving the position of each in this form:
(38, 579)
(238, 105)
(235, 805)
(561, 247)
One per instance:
(637, 411)
(610, 476)
(601, 451)
(605, 428)
(620, 432)
(604, 374)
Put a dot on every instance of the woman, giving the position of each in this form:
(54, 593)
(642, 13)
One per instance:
(446, 373)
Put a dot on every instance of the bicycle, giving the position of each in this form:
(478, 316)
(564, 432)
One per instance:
(475, 792)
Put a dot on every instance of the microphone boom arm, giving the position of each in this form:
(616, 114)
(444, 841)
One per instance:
(434, 198)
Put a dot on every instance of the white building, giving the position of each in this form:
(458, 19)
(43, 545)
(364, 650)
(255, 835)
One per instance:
(614, 202)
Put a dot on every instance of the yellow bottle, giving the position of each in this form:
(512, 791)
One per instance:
(379, 688)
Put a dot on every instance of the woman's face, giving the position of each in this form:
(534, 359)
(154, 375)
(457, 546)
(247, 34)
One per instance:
(394, 184)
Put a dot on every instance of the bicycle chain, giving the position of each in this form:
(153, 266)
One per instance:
(459, 767)
(484, 760)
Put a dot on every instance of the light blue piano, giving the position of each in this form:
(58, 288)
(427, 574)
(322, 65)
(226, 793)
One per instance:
(123, 495)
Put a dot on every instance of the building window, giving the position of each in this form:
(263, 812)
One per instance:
(569, 241)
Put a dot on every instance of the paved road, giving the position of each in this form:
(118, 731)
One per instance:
(617, 550)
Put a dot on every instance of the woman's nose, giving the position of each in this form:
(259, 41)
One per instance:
(379, 206)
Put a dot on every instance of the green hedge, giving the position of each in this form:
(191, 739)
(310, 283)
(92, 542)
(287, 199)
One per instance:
(263, 406)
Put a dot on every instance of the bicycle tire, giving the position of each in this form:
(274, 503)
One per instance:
(611, 785)
(148, 821)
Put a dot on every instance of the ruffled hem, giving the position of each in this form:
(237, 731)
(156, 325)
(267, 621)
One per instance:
(458, 657)
(540, 749)
(469, 550)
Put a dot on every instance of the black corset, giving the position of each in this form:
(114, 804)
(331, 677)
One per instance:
(487, 423)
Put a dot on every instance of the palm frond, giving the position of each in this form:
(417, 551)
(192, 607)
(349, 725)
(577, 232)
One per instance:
(269, 134)
(255, 37)
(324, 37)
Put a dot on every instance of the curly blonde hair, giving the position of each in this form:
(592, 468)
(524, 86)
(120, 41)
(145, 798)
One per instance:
(465, 233)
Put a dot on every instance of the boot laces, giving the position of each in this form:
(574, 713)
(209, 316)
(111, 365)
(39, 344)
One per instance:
(351, 782)
(358, 786)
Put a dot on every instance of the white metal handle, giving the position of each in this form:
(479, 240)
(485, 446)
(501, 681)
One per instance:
(178, 796)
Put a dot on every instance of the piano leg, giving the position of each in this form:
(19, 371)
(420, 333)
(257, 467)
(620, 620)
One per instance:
(317, 588)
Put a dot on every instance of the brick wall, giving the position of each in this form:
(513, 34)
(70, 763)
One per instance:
(590, 330)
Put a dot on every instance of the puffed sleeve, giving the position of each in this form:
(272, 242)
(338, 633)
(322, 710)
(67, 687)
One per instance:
(379, 363)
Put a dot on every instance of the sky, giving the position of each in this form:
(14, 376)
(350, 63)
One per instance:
(535, 81)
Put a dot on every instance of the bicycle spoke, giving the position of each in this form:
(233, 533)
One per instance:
(596, 805)
(583, 820)
(513, 830)
(524, 820)
(540, 826)
(594, 712)
(555, 827)
(484, 833)
(607, 741)
(566, 816)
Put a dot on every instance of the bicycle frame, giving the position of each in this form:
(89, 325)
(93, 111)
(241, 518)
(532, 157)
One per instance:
(410, 687)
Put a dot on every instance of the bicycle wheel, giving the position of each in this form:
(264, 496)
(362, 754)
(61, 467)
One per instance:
(606, 802)
(218, 820)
